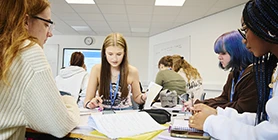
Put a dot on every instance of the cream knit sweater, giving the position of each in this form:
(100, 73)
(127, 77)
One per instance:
(32, 99)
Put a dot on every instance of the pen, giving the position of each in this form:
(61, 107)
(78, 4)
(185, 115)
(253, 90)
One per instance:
(99, 109)
(100, 97)
(192, 103)
(182, 100)
(192, 98)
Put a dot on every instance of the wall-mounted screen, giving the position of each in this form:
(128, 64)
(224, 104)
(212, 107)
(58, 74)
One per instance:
(92, 56)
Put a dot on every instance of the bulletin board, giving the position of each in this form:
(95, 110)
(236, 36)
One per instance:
(179, 46)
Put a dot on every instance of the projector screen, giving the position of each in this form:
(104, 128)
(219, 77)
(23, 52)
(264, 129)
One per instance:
(91, 56)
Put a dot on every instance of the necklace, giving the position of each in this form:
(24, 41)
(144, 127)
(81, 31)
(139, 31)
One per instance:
(270, 85)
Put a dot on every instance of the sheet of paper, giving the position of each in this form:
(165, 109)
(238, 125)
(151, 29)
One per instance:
(124, 124)
(153, 90)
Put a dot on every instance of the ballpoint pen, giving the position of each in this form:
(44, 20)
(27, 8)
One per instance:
(192, 101)
(99, 109)
(182, 100)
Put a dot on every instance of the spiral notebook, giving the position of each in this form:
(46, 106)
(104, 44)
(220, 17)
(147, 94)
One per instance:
(181, 129)
(183, 125)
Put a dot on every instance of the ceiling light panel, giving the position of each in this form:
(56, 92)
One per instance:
(169, 2)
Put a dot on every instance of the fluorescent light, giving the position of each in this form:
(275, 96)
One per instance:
(169, 2)
(81, 28)
(80, 1)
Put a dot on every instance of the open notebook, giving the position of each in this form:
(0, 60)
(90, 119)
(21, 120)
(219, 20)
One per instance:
(180, 128)
(182, 125)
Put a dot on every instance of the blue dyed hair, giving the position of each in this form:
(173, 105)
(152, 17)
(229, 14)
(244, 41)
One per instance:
(231, 43)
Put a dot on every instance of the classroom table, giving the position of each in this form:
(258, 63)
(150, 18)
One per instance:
(84, 132)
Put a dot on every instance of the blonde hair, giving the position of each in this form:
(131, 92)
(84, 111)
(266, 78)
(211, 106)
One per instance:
(180, 63)
(113, 39)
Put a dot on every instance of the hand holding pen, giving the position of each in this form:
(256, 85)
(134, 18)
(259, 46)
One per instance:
(190, 103)
(95, 102)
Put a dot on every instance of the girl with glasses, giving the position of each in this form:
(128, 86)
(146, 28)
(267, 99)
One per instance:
(261, 38)
(28, 93)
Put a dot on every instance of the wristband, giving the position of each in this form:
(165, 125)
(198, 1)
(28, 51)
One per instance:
(142, 99)
(86, 106)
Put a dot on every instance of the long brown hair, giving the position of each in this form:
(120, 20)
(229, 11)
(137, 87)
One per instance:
(113, 39)
(179, 62)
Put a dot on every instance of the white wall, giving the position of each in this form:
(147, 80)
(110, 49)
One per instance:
(137, 50)
(203, 33)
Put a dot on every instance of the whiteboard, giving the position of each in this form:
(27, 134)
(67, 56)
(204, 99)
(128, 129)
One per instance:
(51, 52)
(179, 46)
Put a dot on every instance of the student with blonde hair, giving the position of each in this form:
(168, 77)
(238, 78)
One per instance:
(193, 79)
(114, 79)
(29, 96)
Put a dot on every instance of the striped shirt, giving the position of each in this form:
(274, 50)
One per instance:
(31, 99)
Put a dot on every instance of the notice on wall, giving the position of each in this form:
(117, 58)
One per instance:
(179, 46)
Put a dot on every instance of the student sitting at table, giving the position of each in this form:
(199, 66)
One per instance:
(114, 79)
(74, 79)
(260, 34)
(29, 96)
(168, 78)
(240, 90)
(193, 79)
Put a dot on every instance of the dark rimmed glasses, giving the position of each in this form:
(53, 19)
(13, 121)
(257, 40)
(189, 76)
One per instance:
(51, 24)
(243, 31)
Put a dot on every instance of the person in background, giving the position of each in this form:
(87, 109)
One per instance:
(28, 95)
(168, 78)
(114, 79)
(240, 90)
(260, 33)
(193, 79)
(74, 79)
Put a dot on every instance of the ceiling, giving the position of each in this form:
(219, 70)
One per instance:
(132, 18)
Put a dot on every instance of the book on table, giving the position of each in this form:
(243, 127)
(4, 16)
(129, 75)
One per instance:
(180, 128)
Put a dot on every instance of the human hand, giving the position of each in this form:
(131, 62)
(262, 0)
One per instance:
(202, 111)
(96, 102)
(204, 108)
(187, 105)
(143, 98)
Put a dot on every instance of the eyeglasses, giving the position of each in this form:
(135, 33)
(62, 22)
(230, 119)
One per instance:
(243, 31)
(51, 24)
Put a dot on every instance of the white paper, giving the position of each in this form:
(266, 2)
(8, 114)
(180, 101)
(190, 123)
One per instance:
(124, 124)
(153, 90)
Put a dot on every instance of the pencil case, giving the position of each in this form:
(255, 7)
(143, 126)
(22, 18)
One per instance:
(159, 115)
